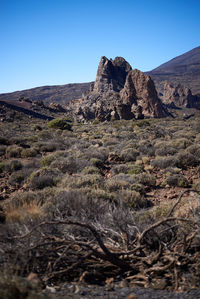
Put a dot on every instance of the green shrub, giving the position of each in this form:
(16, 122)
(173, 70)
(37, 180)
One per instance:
(177, 180)
(146, 180)
(16, 287)
(16, 178)
(43, 178)
(164, 162)
(47, 160)
(28, 152)
(13, 151)
(2, 150)
(59, 123)
(133, 199)
(15, 165)
(4, 140)
(135, 169)
(2, 166)
(91, 170)
(129, 154)
(185, 159)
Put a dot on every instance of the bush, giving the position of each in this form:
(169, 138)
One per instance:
(29, 152)
(186, 159)
(4, 140)
(2, 150)
(47, 160)
(133, 199)
(43, 178)
(91, 170)
(14, 287)
(129, 154)
(136, 169)
(2, 166)
(15, 165)
(16, 178)
(146, 180)
(177, 180)
(164, 162)
(59, 123)
(13, 151)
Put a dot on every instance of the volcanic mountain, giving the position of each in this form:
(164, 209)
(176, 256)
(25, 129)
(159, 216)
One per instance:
(183, 69)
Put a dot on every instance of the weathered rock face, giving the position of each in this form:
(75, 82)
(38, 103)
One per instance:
(118, 93)
(140, 92)
(177, 95)
(111, 74)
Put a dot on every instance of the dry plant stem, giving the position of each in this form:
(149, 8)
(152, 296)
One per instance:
(179, 200)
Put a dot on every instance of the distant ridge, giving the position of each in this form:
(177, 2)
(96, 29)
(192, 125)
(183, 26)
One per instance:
(61, 94)
(183, 69)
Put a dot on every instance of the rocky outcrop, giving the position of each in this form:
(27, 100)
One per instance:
(139, 91)
(118, 93)
(177, 96)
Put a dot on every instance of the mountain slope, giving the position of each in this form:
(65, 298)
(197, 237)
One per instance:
(183, 69)
(61, 94)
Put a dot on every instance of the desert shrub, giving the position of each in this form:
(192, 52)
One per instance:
(15, 165)
(96, 162)
(185, 159)
(143, 123)
(91, 170)
(13, 151)
(69, 165)
(46, 147)
(81, 181)
(16, 178)
(37, 128)
(29, 152)
(18, 140)
(129, 154)
(180, 143)
(194, 149)
(45, 135)
(119, 182)
(133, 199)
(177, 180)
(120, 168)
(2, 150)
(4, 140)
(135, 169)
(163, 149)
(59, 123)
(42, 182)
(146, 179)
(2, 166)
(43, 178)
(164, 162)
(146, 148)
(13, 286)
(47, 160)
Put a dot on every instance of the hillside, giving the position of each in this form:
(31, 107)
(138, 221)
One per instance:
(61, 94)
(183, 69)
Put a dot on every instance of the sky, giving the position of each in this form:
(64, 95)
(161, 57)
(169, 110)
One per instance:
(52, 42)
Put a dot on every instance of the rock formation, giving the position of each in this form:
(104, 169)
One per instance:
(118, 93)
(177, 96)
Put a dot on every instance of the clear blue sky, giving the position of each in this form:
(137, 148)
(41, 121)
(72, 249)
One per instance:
(50, 42)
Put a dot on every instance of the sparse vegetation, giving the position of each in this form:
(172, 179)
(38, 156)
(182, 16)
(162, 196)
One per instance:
(68, 191)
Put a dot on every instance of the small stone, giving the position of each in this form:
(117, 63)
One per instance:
(131, 296)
